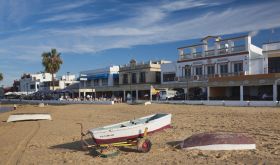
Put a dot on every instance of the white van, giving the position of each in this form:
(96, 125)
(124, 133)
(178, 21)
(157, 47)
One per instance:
(167, 94)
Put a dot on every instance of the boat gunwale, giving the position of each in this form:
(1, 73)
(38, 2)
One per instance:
(92, 131)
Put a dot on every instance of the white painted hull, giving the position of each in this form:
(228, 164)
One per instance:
(24, 117)
(110, 135)
(217, 147)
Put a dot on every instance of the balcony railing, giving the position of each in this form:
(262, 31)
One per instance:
(197, 54)
(186, 56)
(240, 48)
(206, 77)
(223, 51)
(208, 53)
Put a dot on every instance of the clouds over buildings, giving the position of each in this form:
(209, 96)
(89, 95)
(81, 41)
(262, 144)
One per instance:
(80, 27)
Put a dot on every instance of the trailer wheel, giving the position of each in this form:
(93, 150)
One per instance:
(144, 145)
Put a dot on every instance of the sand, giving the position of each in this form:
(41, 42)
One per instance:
(57, 141)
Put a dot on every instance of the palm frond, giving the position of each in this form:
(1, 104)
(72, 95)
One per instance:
(1, 76)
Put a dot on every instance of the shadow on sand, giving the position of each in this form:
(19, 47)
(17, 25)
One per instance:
(74, 146)
(129, 149)
(77, 146)
(174, 144)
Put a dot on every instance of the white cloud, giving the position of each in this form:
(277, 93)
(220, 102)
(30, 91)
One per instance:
(15, 11)
(68, 17)
(181, 5)
(60, 7)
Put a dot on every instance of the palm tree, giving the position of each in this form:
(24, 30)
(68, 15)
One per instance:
(1, 76)
(51, 61)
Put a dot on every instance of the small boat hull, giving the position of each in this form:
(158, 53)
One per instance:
(114, 134)
(219, 141)
(28, 117)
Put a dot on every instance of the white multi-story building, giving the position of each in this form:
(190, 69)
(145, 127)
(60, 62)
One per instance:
(30, 83)
(216, 57)
(60, 83)
(232, 69)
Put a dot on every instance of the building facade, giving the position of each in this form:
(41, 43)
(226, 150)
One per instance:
(30, 83)
(59, 84)
(102, 78)
(223, 69)
(272, 53)
(214, 69)
(135, 79)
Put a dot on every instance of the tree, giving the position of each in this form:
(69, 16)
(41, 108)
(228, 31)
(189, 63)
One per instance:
(51, 61)
(1, 76)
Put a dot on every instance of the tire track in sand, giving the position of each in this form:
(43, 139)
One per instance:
(5, 129)
(18, 153)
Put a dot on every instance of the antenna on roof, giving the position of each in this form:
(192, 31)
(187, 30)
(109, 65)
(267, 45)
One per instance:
(270, 37)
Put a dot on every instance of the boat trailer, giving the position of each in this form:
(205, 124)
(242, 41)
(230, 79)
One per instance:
(143, 144)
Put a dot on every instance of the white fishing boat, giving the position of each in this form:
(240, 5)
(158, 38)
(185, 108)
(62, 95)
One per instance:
(130, 130)
(29, 116)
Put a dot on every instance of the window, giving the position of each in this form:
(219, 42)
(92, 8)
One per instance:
(211, 70)
(158, 77)
(32, 86)
(187, 71)
(237, 67)
(96, 82)
(88, 83)
(125, 79)
(168, 77)
(142, 77)
(133, 79)
(116, 81)
(104, 82)
(223, 69)
(198, 70)
(274, 65)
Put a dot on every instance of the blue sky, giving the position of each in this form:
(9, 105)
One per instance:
(97, 33)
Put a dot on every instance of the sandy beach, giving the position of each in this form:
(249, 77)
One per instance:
(57, 141)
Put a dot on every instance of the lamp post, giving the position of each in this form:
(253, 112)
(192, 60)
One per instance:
(27, 88)
(130, 81)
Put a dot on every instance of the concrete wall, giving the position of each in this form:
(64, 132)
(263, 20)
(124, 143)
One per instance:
(55, 102)
(257, 63)
(225, 103)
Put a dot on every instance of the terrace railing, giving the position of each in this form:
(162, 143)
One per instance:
(206, 77)
(214, 52)
(210, 53)
(240, 48)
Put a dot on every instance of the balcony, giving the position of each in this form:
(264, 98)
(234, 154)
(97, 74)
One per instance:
(211, 53)
(271, 46)
(206, 77)
(197, 54)
(240, 48)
